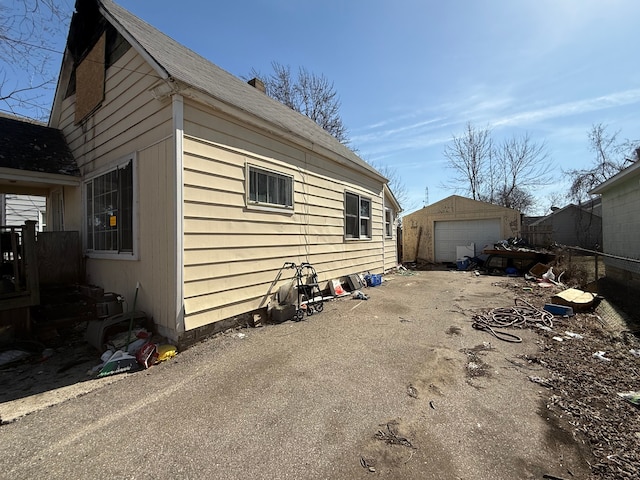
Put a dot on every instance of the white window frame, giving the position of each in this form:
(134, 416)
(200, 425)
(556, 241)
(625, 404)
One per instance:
(388, 222)
(254, 203)
(359, 218)
(113, 254)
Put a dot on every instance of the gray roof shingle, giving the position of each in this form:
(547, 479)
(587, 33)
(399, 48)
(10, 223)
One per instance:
(34, 147)
(184, 65)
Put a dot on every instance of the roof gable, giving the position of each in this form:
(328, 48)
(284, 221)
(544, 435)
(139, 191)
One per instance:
(462, 200)
(176, 63)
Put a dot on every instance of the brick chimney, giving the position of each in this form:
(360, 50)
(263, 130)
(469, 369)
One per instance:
(257, 83)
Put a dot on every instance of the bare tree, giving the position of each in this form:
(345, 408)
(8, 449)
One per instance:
(554, 200)
(310, 94)
(521, 164)
(610, 158)
(469, 156)
(396, 185)
(27, 28)
(502, 174)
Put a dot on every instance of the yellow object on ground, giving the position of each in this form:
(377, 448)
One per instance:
(165, 352)
(575, 298)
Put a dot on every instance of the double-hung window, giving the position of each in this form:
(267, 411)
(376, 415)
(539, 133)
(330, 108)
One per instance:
(269, 188)
(109, 211)
(388, 223)
(357, 216)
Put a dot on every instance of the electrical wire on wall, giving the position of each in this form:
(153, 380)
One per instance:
(305, 215)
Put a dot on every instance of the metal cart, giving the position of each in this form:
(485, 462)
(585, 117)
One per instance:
(308, 296)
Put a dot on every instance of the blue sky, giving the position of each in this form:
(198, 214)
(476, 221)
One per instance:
(411, 73)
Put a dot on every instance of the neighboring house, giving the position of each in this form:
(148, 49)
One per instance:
(17, 209)
(34, 161)
(35, 164)
(621, 225)
(434, 233)
(573, 225)
(196, 185)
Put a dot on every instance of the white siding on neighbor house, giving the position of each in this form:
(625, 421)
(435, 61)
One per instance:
(130, 121)
(20, 208)
(233, 253)
(621, 224)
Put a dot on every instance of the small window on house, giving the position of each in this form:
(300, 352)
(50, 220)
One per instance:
(269, 188)
(388, 223)
(109, 210)
(357, 216)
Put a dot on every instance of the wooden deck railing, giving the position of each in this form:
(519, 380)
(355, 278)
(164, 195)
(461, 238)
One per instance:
(19, 286)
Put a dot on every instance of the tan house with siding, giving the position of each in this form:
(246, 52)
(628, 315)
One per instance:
(197, 185)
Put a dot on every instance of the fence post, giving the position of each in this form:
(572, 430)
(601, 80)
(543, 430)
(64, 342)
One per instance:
(597, 276)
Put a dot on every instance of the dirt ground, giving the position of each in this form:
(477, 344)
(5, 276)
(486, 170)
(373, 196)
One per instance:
(398, 386)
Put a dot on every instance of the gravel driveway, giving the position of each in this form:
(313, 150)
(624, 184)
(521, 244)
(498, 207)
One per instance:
(399, 386)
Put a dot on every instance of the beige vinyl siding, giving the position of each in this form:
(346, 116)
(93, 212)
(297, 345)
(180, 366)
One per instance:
(390, 243)
(390, 254)
(72, 209)
(232, 253)
(128, 120)
(131, 121)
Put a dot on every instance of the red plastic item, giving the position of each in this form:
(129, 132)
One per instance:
(147, 355)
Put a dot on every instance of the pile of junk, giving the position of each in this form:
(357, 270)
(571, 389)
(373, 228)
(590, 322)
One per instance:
(507, 257)
(85, 324)
(125, 338)
(301, 295)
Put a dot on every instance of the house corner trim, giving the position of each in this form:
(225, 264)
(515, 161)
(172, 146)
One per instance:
(178, 132)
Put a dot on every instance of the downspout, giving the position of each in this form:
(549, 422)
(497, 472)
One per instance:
(384, 231)
(177, 103)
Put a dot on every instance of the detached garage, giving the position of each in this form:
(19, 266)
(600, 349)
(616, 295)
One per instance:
(439, 232)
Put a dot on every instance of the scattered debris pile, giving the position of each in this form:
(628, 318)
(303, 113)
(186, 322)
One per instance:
(591, 369)
(588, 376)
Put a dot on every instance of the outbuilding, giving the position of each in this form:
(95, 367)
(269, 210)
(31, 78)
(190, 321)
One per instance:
(456, 226)
(621, 225)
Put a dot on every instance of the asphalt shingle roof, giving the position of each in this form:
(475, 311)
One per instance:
(33, 147)
(184, 65)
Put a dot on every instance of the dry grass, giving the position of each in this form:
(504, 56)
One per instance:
(579, 270)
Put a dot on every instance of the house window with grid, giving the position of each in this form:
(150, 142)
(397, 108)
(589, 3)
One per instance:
(269, 188)
(357, 216)
(388, 223)
(109, 207)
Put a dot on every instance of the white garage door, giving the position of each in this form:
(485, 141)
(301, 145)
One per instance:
(449, 235)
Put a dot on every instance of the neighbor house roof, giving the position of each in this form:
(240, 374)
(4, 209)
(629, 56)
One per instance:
(627, 173)
(590, 207)
(174, 61)
(34, 147)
